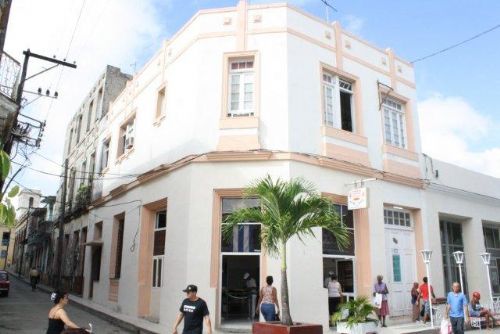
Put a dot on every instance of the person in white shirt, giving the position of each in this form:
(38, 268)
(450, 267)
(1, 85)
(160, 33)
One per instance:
(334, 294)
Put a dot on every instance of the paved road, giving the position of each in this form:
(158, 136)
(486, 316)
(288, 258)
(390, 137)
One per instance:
(24, 311)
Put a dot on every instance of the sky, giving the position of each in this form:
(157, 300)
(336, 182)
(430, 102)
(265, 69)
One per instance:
(458, 91)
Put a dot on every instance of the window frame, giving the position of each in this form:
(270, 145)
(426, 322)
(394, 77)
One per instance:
(407, 217)
(226, 113)
(334, 85)
(161, 105)
(106, 143)
(127, 131)
(388, 112)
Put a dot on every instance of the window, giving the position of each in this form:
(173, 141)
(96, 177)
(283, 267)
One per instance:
(105, 154)
(160, 103)
(79, 128)
(397, 218)
(83, 173)
(241, 88)
(330, 245)
(119, 228)
(492, 244)
(246, 236)
(99, 105)
(69, 141)
(30, 202)
(451, 241)
(91, 168)
(89, 117)
(394, 123)
(72, 182)
(338, 102)
(98, 231)
(159, 247)
(126, 137)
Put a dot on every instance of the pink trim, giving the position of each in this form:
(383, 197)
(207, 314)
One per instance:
(402, 169)
(238, 143)
(406, 154)
(344, 135)
(346, 154)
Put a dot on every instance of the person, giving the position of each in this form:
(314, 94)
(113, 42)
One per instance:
(268, 301)
(34, 276)
(327, 279)
(194, 311)
(334, 294)
(477, 310)
(251, 287)
(57, 315)
(381, 288)
(456, 308)
(415, 302)
(424, 296)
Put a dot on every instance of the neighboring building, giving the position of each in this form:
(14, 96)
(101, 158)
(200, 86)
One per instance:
(28, 200)
(242, 92)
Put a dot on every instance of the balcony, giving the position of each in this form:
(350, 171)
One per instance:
(10, 71)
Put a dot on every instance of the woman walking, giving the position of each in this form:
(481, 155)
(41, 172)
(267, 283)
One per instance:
(381, 288)
(268, 299)
(415, 294)
(57, 315)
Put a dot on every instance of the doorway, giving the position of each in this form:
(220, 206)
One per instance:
(343, 268)
(238, 302)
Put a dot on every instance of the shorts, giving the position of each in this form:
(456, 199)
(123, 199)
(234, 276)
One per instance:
(475, 314)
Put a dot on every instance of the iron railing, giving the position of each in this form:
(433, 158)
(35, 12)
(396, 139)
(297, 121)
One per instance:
(10, 71)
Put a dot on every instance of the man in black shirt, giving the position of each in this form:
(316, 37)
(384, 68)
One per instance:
(193, 310)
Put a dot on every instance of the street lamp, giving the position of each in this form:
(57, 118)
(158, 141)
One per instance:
(486, 257)
(459, 259)
(426, 256)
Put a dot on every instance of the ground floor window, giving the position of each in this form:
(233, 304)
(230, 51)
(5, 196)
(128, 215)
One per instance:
(157, 271)
(492, 245)
(452, 241)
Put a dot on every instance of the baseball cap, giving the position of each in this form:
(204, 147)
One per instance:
(191, 288)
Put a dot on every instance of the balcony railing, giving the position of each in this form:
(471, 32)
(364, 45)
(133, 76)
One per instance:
(10, 71)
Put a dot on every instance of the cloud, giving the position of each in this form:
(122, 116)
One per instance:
(115, 32)
(450, 127)
(353, 24)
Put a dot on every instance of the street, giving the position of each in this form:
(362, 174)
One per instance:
(24, 311)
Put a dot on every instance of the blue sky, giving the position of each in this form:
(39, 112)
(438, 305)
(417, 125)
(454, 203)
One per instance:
(458, 91)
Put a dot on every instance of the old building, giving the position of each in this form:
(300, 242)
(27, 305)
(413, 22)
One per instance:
(251, 90)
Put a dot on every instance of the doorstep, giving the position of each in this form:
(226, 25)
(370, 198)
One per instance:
(127, 322)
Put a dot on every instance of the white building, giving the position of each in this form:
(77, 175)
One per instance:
(242, 92)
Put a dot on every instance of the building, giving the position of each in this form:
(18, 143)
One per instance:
(6, 247)
(251, 90)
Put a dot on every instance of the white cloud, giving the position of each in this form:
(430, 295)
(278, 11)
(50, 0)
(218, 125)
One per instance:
(450, 126)
(353, 24)
(115, 32)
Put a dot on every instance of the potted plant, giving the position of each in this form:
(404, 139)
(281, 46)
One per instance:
(287, 209)
(353, 317)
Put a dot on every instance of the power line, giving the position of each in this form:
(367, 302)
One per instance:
(457, 44)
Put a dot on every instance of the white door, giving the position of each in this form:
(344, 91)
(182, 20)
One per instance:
(400, 256)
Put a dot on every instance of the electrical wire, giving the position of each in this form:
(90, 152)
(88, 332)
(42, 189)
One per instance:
(457, 44)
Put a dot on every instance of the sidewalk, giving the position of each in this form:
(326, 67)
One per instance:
(126, 322)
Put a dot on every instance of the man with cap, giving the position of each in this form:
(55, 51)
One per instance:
(251, 286)
(194, 311)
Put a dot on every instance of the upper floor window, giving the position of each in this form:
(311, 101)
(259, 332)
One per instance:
(89, 117)
(99, 105)
(394, 122)
(70, 140)
(160, 103)
(241, 91)
(79, 128)
(105, 154)
(127, 133)
(338, 102)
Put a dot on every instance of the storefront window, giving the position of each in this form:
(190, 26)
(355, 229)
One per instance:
(451, 241)
(330, 245)
(492, 245)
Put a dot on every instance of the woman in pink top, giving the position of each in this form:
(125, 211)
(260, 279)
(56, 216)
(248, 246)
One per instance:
(268, 299)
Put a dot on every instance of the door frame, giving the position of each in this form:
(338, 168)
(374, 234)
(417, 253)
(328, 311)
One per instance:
(219, 284)
(354, 277)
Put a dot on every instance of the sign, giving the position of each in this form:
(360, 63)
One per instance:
(357, 199)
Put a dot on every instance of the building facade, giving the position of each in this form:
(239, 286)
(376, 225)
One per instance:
(242, 92)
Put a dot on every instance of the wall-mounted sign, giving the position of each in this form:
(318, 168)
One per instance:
(357, 199)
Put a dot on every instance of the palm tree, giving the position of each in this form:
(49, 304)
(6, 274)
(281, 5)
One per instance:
(287, 209)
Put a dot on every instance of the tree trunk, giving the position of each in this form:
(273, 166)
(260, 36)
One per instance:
(286, 319)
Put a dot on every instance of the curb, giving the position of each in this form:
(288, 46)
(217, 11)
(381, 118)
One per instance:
(114, 321)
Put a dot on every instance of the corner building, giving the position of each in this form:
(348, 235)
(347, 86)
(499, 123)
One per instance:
(251, 90)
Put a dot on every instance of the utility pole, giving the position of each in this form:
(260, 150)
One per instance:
(61, 227)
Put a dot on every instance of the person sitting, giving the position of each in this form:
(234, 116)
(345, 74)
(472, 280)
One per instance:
(477, 310)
